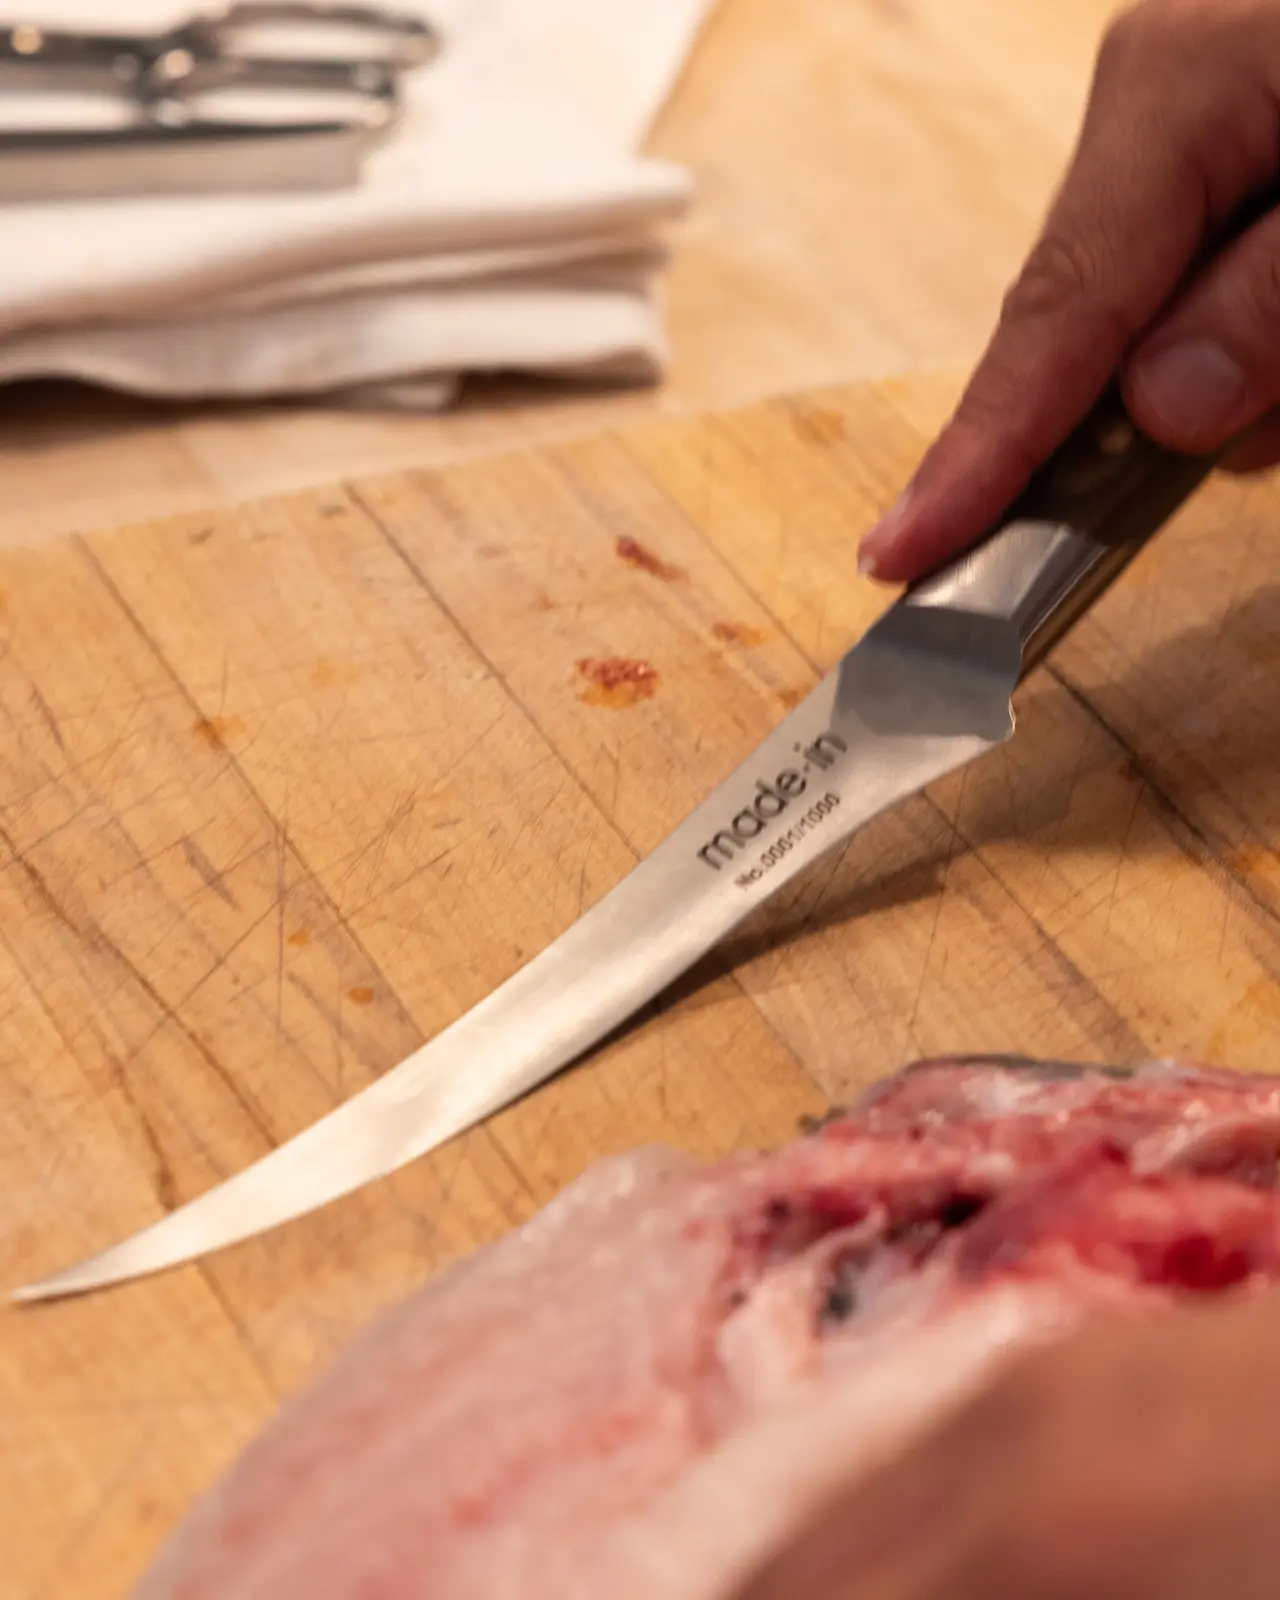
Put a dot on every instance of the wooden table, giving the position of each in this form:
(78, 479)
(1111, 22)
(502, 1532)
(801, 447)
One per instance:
(287, 789)
(869, 173)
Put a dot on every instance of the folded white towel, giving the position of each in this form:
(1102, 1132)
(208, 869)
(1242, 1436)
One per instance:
(506, 224)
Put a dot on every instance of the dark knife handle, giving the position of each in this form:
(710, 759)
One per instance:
(1114, 489)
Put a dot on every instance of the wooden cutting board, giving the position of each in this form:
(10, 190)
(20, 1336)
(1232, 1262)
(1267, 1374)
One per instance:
(285, 791)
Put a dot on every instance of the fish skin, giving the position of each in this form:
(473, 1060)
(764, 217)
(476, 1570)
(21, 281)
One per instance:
(640, 1391)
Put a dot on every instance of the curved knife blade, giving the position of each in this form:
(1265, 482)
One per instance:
(855, 746)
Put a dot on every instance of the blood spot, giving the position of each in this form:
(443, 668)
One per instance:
(737, 633)
(639, 556)
(617, 682)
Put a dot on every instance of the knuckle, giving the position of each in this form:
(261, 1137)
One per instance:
(1074, 281)
(1058, 275)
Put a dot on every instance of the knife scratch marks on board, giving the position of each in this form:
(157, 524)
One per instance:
(612, 753)
(1253, 1018)
(215, 731)
(162, 1176)
(282, 895)
(200, 863)
(634, 554)
(47, 716)
(617, 682)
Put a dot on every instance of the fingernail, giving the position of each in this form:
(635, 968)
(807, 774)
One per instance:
(1196, 391)
(877, 544)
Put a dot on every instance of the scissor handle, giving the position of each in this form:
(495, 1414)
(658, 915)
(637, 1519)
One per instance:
(57, 54)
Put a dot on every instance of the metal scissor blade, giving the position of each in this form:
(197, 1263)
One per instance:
(822, 774)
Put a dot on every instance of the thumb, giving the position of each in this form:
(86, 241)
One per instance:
(1211, 368)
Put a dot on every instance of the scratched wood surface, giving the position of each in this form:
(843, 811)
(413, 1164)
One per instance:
(286, 789)
(868, 175)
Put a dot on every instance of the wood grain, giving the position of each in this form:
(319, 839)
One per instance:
(868, 176)
(286, 789)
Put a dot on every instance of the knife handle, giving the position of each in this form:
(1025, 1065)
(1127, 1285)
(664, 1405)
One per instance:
(1079, 524)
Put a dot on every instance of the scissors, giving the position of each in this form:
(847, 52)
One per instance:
(207, 53)
(167, 81)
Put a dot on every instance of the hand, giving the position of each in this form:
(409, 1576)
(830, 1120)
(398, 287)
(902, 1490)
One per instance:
(1139, 1460)
(1182, 128)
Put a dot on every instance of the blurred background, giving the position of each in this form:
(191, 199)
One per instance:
(581, 209)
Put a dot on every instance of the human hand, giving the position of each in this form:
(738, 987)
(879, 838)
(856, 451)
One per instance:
(1137, 1460)
(1182, 128)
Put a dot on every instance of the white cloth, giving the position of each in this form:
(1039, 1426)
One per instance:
(506, 224)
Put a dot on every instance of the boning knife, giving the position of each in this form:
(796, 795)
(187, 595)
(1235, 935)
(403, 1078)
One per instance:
(924, 692)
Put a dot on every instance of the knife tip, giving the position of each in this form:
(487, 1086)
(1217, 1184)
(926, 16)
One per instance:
(59, 1285)
(30, 1294)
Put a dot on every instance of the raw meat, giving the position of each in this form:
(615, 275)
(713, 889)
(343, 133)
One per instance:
(642, 1390)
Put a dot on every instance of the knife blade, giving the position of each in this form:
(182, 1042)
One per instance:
(927, 690)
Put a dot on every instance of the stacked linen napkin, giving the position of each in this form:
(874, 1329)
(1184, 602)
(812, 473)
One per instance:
(505, 225)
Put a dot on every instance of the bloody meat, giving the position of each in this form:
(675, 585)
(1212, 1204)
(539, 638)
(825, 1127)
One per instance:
(646, 1387)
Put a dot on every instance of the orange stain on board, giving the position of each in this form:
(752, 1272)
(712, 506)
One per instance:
(791, 697)
(738, 633)
(639, 556)
(299, 937)
(215, 731)
(617, 682)
(361, 995)
(815, 425)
